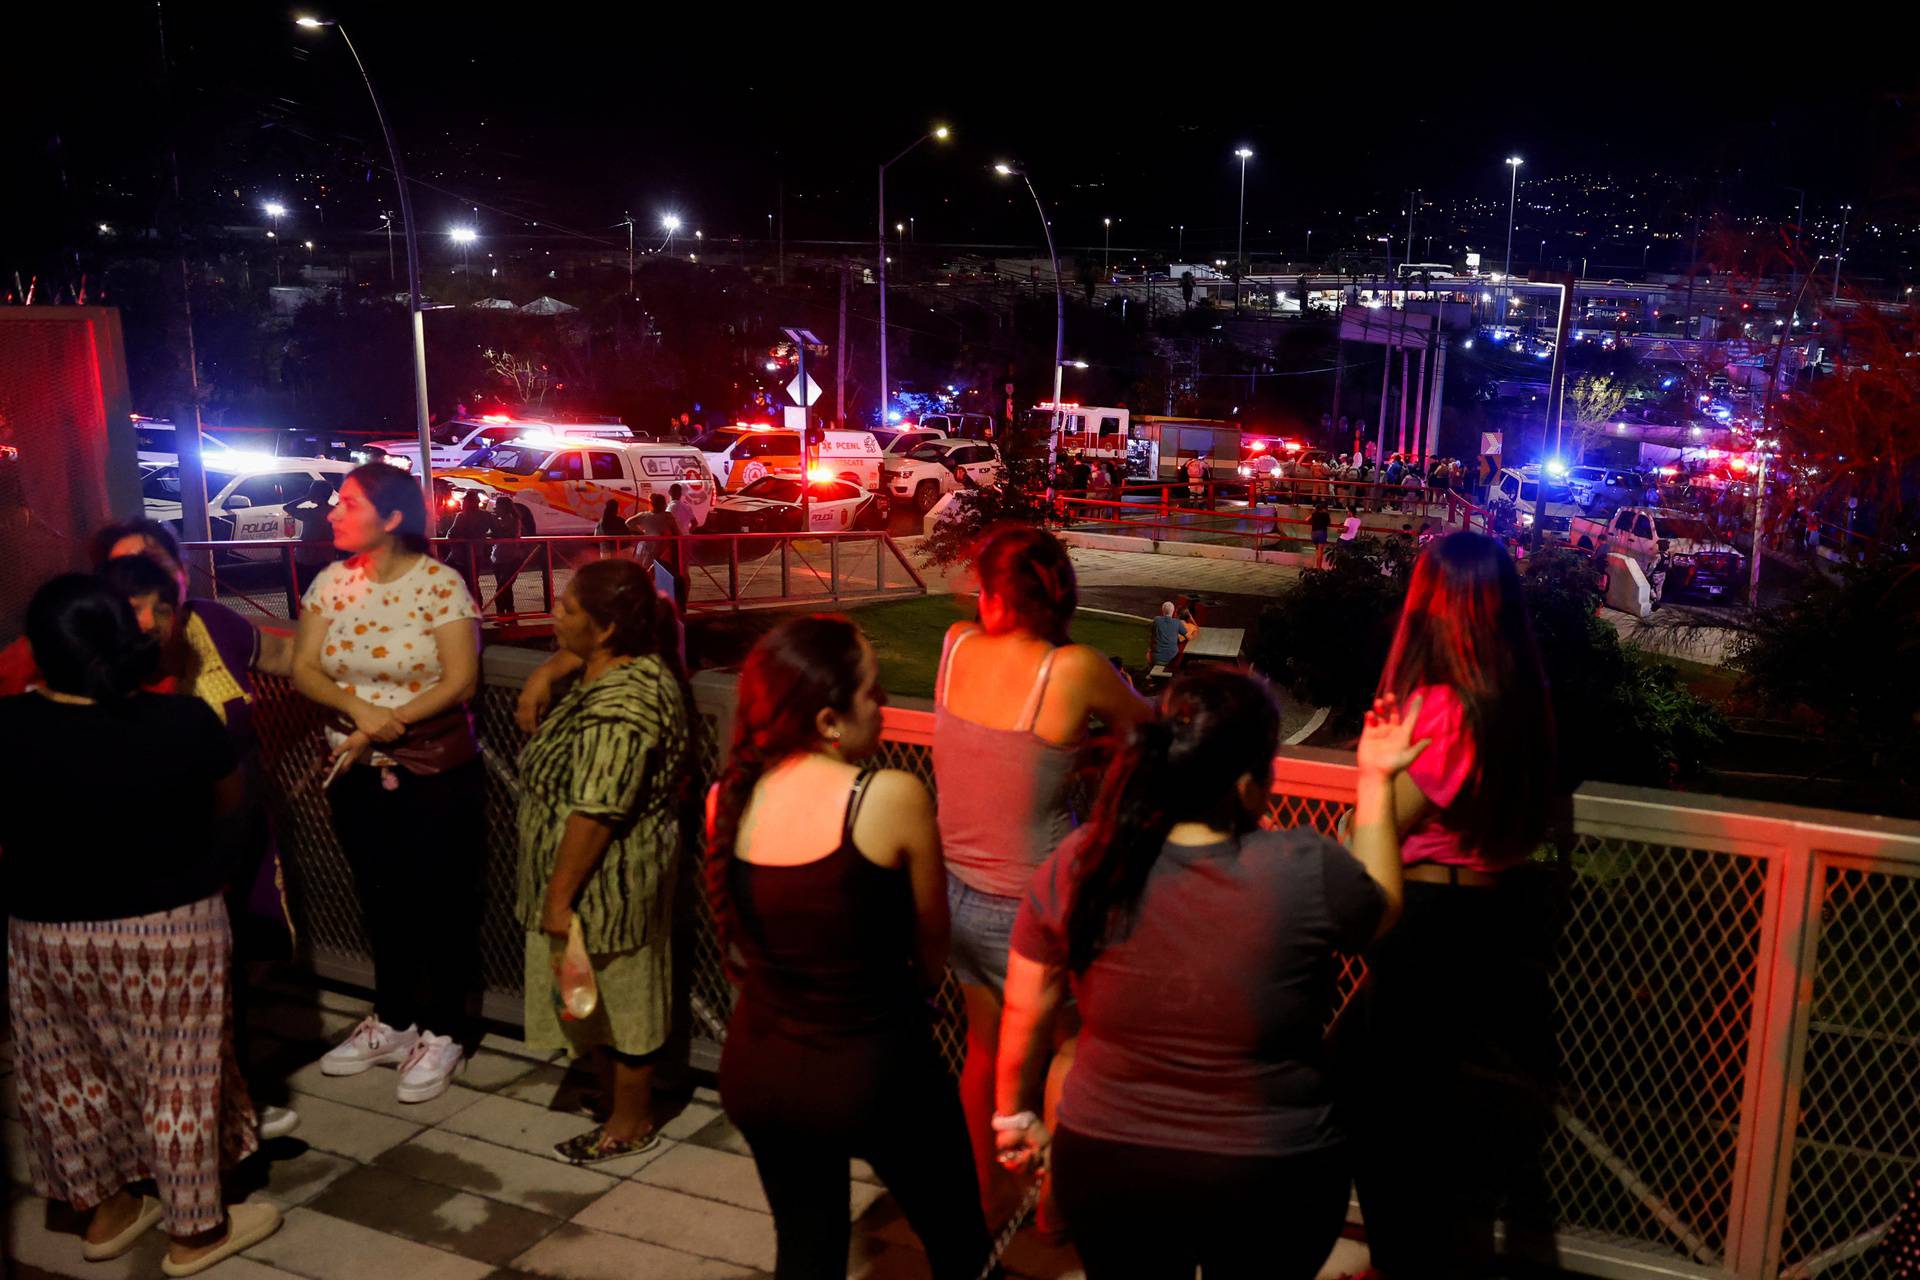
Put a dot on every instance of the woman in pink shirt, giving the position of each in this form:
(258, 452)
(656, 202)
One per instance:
(1448, 1047)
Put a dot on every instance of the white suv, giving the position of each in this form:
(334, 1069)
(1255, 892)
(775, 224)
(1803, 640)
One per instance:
(941, 466)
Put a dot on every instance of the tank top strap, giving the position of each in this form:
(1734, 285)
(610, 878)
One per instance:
(1030, 714)
(855, 796)
(945, 679)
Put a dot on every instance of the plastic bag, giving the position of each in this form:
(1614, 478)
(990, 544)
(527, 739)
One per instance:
(575, 992)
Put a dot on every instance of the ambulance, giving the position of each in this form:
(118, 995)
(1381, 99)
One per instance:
(561, 485)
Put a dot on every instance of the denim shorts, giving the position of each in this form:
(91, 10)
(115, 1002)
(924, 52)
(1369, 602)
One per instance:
(982, 925)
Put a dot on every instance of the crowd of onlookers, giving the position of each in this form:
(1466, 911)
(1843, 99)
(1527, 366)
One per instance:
(1147, 962)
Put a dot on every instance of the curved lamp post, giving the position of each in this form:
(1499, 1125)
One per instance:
(1059, 314)
(938, 133)
(413, 260)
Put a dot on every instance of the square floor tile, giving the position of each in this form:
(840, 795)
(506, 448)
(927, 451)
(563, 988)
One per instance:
(720, 1134)
(714, 1175)
(517, 1047)
(48, 1237)
(499, 1173)
(472, 1226)
(534, 1130)
(489, 1070)
(554, 1086)
(353, 1132)
(577, 1253)
(688, 1223)
(291, 1179)
(692, 1118)
(320, 1247)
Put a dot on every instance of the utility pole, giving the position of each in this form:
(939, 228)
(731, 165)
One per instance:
(628, 219)
(1846, 213)
(1556, 391)
(780, 190)
(840, 357)
(1413, 200)
(193, 476)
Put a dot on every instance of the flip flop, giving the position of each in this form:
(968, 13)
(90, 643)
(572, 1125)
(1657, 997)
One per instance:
(594, 1145)
(143, 1222)
(247, 1225)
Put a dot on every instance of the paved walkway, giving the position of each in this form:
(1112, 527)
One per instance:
(467, 1187)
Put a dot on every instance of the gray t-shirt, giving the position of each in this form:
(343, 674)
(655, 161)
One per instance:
(1201, 1027)
(1166, 638)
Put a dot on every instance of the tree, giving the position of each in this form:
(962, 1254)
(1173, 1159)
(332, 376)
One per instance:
(1186, 288)
(1595, 401)
(1087, 272)
(1302, 291)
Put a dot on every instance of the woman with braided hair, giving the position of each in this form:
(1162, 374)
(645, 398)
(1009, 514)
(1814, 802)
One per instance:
(1197, 1128)
(601, 788)
(1015, 702)
(829, 899)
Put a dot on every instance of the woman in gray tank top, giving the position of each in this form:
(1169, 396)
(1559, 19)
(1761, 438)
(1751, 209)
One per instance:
(1014, 702)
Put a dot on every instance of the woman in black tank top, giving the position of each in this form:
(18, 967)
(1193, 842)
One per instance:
(829, 897)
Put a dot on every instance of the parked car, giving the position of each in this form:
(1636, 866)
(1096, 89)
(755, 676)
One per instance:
(771, 504)
(246, 497)
(897, 442)
(941, 466)
(563, 486)
(1521, 489)
(1604, 486)
(454, 442)
(1701, 561)
(964, 426)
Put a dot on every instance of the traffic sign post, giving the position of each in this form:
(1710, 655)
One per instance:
(804, 391)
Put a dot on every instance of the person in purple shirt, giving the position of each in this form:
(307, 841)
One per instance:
(1198, 1127)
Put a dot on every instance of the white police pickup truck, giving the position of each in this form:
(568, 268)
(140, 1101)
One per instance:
(247, 496)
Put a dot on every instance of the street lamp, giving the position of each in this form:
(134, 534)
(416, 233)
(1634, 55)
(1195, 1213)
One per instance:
(275, 210)
(1309, 246)
(413, 261)
(1240, 243)
(1846, 213)
(1006, 170)
(672, 224)
(939, 133)
(464, 237)
(1513, 194)
(1106, 250)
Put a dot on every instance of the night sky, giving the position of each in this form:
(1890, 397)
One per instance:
(571, 114)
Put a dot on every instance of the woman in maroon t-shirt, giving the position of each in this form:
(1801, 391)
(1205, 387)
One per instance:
(1197, 1127)
(1460, 986)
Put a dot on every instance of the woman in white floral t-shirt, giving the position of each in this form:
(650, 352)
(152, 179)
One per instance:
(389, 645)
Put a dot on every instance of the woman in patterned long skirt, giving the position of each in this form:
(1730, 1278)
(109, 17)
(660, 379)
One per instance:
(118, 938)
(602, 785)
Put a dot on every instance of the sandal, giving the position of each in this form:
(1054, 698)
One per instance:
(143, 1221)
(247, 1225)
(595, 1145)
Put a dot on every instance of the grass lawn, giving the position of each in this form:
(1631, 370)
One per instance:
(906, 636)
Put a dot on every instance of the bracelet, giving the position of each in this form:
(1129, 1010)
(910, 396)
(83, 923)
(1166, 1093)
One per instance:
(1018, 1122)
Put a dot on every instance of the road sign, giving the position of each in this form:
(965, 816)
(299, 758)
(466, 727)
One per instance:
(794, 417)
(804, 337)
(812, 390)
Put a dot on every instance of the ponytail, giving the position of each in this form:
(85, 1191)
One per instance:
(796, 670)
(1215, 728)
(1128, 827)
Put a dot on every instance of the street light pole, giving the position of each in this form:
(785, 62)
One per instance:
(1240, 240)
(1059, 317)
(940, 132)
(1106, 250)
(413, 262)
(1513, 195)
(1846, 213)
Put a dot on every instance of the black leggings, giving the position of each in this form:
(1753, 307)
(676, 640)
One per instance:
(1143, 1213)
(807, 1106)
(417, 854)
(1447, 1057)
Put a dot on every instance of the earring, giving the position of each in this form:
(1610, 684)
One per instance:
(833, 735)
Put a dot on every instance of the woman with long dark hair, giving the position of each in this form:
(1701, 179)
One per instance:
(829, 897)
(1460, 987)
(1015, 702)
(118, 944)
(1197, 1128)
(389, 643)
(601, 790)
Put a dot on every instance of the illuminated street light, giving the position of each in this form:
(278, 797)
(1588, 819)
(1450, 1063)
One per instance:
(1006, 170)
(1240, 244)
(415, 312)
(464, 235)
(939, 133)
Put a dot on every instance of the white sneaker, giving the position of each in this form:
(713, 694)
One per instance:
(372, 1043)
(276, 1122)
(429, 1068)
